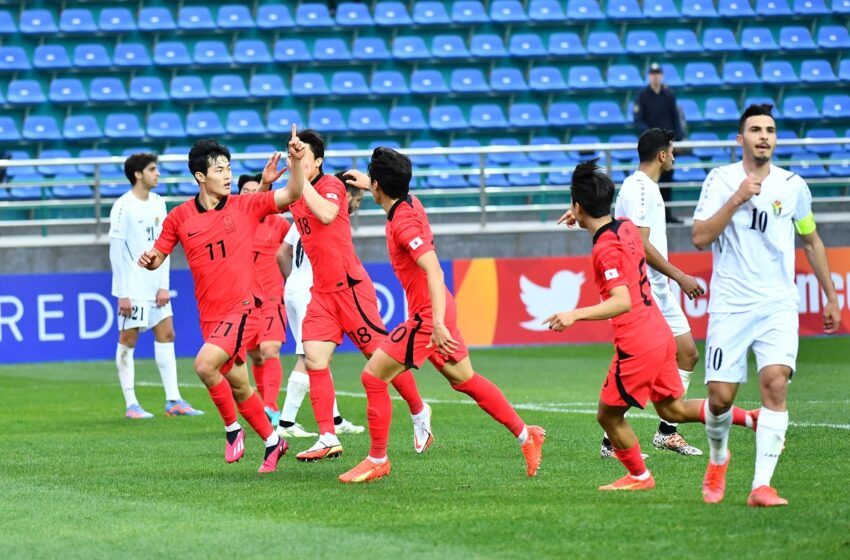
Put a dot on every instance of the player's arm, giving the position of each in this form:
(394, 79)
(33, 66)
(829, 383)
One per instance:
(152, 259)
(816, 254)
(656, 260)
(705, 232)
(325, 210)
(441, 337)
(284, 259)
(620, 302)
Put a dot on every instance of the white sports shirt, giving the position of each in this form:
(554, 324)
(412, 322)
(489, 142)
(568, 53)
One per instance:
(134, 225)
(640, 201)
(754, 256)
(301, 277)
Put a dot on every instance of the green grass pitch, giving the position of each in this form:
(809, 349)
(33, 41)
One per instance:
(77, 480)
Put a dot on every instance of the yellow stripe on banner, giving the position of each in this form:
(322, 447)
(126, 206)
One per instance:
(477, 300)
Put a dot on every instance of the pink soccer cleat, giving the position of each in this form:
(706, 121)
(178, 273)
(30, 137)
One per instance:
(234, 447)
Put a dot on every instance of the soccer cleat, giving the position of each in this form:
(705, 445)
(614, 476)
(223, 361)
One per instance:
(273, 455)
(714, 483)
(765, 496)
(366, 471)
(273, 415)
(422, 435)
(136, 412)
(674, 442)
(532, 449)
(346, 427)
(606, 450)
(234, 447)
(327, 447)
(629, 482)
(181, 408)
(295, 430)
(754, 417)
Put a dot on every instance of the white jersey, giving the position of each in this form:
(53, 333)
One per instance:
(301, 277)
(134, 225)
(640, 201)
(754, 255)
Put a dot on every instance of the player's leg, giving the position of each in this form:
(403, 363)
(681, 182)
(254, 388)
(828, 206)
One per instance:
(257, 369)
(208, 365)
(273, 377)
(296, 389)
(626, 448)
(126, 365)
(318, 354)
(166, 362)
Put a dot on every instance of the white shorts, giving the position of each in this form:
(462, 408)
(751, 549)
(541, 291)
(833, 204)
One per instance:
(296, 309)
(773, 334)
(144, 315)
(672, 311)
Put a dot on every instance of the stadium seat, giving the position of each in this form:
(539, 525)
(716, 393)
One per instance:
(778, 72)
(762, 100)
(366, 119)
(353, 14)
(91, 56)
(430, 13)
(701, 74)
(617, 10)
(426, 160)
(507, 11)
(25, 92)
(280, 121)
(52, 57)
(327, 120)
(545, 11)
(275, 16)
(291, 50)
(795, 38)
(844, 70)
(428, 82)
(468, 12)
(445, 180)
(175, 166)
(123, 125)
(671, 75)
(156, 19)
(7, 24)
(604, 112)
(388, 82)
(507, 158)
(228, 86)
(585, 139)
(822, 149)
(817, 72)
(721, 109)
(88, 168)
(686, 170)
(410, 48)
(245, 123)
(309, 84)
(116, 20)
(67, 90)
(9, 131)
(811, 8)
(211, 53)
(251, 51)
(833, 37)
(188, 88)
(37, 22)
(660, 9)
(391, 14)
(407, 119)
(719, 40)
(486, 45)
(526, 115)
(734, 8)
(841, 6)
(565, 113)
(716, 154)
(349, 83)
(841, 165)
(487, 116)
(547, 157)
(370, 48)
(49, 168)
(13, 59)
(81, 127)
(256, 165)
(107, 89)
(681, 41)
(470, 80)
(447, 117)
(627, 154)
(165, 124)
(805, 169)
(584, 10)
(195, 18)
(643, 42)
(171, 53)
(331, 50)
(313, 15)
(697, 9)
(73, 190)
(340, 162)
(691, 110)
(267, 86)
(234, 17)
(547, 78)
(768, 8)
(525, 45)
(77, 20)
(604, 42)
(625, 76)
(203, 123)
(758, 39)
(799, 107)
(836, 107)
(449, 47)
(508, 80)
(465, 159)
(148, 88)
(131, 55)
(565, 44)
(740, 74)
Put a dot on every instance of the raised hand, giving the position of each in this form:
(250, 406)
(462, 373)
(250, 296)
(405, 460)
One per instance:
(270, 171)
(296, 146)
(567, 218)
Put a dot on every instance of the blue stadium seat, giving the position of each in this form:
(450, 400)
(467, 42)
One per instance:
(366, 119)
(449, 47)
(50, 57)
(280, 120)
(388, 82)
(685, 169)
(796, 38)
(696, 9)
(585, 139)
(487, 116)
(770, 8)
(487, 45)
(9, 130)
(468, 80)
(841, 6)
(447, 117)
(778, 72)
(719, 40)
(604, 112)
(234, 17)
(546, 78)
(188, 88)
(799, 107)
(734, 8)
(91, 56)
(671, 75)
(585, 77)
(228, 86)
(701, 74)
(148, 88)
(175, 166)
(407, 118)
(822, 149)
(643, 42)
(507, 11)
(584, 10)
(123, 125)
(721, 109)
(309, 84)
(156, 19)
(245, 123)
(559, 178)
(211, 53)
(691, 110)
(203, 123)
(256, 165)
(423, 160)
(88, 168)
(349, 83)
(565, 44)
(624, 76)
(29, 193)
(604, 42)
(565, 113)
(547, 157)
(165, 124)
(763, 100)
(740, 73)
(267, 86)
(251, 51)
(353, 14)
(340, 162)
(833, 37)
(107, 89)
(681, 41)
(817, 72)
(526, 115)
(81, 127)
(660, 9)
(329, 50)
(37, 22)
(131, 55)
(275, 16)
(392, 14)
(291, 50)
(428, 82)
(116, 20)
(714, 153)
(13, 59)
(844, 70)
(841, 167)
(444, 180)
(370, 48)
(7, 23)
(67, 90)
(77, 20)
(546, 11)
(526, 45)
(25, 92)
(807, 170)
(758, 39)
(313, 15)
(508, 80)
(327, 120)
(627, 154)
(410, 48)
(71, 191)
(506, 158)
(469, 12)
(836, 107)
(811, 8)
(525, 179)
(623, 10)
(171, 53)
(49, 168)
(430, 13)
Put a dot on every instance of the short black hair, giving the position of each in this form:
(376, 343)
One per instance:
(592, 189)
(392, 170)
(204, 152)
(137, 162)
(345, 177)
(313, 139)
(756, 110)
(248, 178)
(652, 142)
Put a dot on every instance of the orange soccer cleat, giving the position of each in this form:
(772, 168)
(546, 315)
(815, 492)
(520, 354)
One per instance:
(532, 449)
(714, 483)
(366, 471)
(327, 447)
(629, 482)
(765, 496)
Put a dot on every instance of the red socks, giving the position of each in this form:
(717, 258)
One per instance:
(491, 399)
(631, 459)
(379, 411)
(223, 399)
(252, 411)
(322, 396)
(405, 384)
(259, 372)
(739, 415)
(273, 377)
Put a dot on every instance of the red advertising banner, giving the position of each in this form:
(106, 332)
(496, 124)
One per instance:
(504, 301)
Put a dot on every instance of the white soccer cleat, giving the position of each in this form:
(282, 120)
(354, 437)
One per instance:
(346, 427)
(295, 431)
(422, 435)
(674, 442)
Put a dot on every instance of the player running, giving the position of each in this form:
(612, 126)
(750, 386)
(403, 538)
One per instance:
(748, 212)
(217, 234)
(143, 300)
(430, 332)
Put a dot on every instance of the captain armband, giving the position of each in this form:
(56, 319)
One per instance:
(806, 225)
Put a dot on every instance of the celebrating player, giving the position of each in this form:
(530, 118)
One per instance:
(748, 212)
(143, 301)
(430, 332)
(217, 234)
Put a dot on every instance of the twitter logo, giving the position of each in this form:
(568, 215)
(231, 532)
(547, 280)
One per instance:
(540, 301)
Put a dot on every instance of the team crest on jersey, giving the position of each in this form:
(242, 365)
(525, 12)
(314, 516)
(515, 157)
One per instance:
(777, 207)
(229, 226)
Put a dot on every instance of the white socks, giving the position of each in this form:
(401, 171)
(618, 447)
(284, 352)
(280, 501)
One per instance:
(167, 364)
(126, 373)
(273, 439)
(377, 461)
(686, 378)
(523, 436)
(717, 429)
(296, 388)
(233, 427)
(770, 439)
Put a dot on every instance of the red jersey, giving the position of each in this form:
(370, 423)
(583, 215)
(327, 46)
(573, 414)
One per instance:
(409, 237)
(330, 247)
(267, 240)
(218, 245)
(619, 260)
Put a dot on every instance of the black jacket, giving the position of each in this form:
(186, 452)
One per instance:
(657, 110)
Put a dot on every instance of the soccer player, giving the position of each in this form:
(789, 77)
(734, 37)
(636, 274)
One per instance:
(430, 332)
(143, 301)
(748, 212)
(640, 201)
(644, 365)
(296, 269)
(343, 300)
(217, 234)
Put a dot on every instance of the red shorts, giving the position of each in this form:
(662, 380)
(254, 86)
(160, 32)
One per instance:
(234, 334)
(353, 311)
(652, 375)
(408, 342)
(272, 318)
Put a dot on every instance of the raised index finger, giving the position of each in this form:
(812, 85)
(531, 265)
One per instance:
(294, 132)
